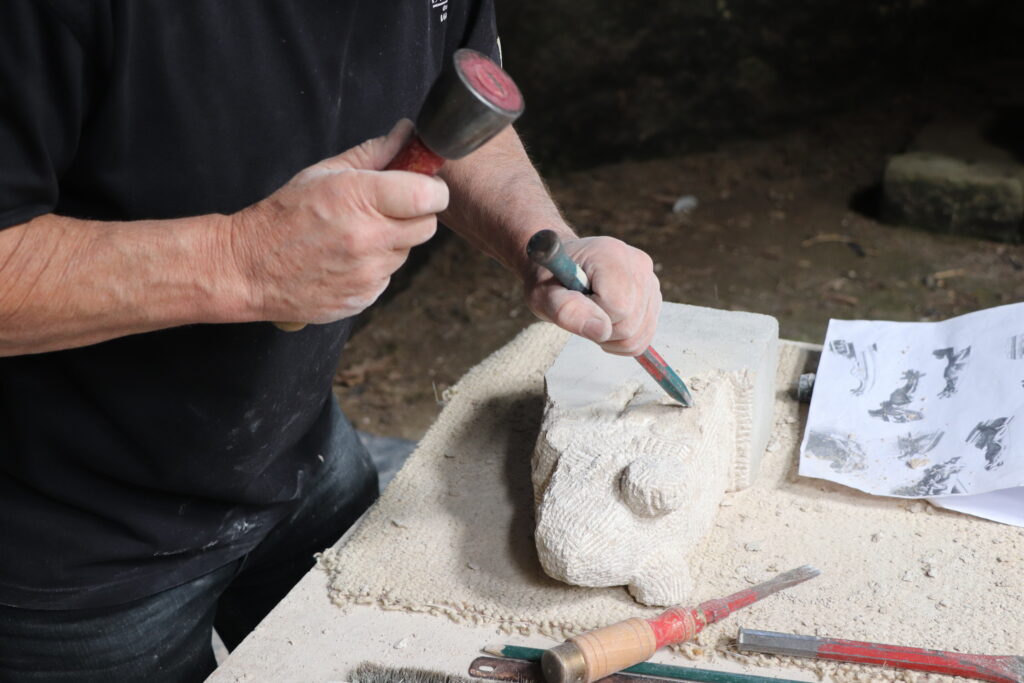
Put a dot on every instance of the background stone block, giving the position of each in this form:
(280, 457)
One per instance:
(960, 176)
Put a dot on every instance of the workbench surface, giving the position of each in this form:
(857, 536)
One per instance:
(308, 638)
(873, 552)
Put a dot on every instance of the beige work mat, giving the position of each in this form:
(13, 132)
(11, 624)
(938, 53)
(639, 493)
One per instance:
(452, 535)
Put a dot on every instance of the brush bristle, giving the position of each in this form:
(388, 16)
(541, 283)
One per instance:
(369, 672)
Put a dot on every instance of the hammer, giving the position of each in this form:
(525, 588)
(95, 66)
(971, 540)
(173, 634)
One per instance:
(467, 106)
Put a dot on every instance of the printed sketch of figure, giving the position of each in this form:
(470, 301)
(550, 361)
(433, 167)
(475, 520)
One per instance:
(935, 481)
(863, 363)
(955, 362)
(917, 445)
(989, 436)
(893, 410)
(843, 453)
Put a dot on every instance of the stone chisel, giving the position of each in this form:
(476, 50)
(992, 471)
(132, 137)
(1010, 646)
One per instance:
(545, 249)
(998, 668)
(593, 655)
(468, 105)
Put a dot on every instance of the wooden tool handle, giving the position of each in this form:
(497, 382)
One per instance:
(615, 647)
(417, 158)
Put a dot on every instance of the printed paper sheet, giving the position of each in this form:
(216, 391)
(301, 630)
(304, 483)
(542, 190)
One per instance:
(922, 410)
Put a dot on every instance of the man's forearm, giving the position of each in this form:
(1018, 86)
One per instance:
(498, 201)
(66, 282)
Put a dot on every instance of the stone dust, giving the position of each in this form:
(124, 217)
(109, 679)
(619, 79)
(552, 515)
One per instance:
(893, 570)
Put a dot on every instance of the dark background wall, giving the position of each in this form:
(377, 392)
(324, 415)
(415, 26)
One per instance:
(610, 80)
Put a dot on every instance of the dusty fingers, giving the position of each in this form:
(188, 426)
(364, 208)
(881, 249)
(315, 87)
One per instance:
(622, 313)
(633, 334)
(325, 245)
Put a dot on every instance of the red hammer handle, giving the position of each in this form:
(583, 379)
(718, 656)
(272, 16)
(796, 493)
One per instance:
(416, 157)
(467, 106)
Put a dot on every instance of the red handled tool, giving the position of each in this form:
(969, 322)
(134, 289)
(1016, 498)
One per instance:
(591, 656)
(467, 106)
(998, 668)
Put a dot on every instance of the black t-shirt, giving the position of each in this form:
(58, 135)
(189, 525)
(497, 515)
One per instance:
(130, 466)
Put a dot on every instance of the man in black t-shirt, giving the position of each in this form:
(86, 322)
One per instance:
(173, 174)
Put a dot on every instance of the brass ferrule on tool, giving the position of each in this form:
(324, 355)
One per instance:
(564, 664)
(593, 655)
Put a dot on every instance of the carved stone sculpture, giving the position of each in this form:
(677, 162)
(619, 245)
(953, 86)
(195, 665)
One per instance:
(627, 483)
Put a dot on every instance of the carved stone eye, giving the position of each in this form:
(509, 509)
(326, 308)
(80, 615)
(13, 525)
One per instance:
(654, 485)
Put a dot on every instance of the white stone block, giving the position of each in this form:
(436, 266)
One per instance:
(627, 482)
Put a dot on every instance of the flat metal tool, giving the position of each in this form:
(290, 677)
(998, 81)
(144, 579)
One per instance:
(997, 668)
(545, 249)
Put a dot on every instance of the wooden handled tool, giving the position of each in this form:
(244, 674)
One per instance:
(512, 669)
(588, 657)
(1001, 669)
(545, 249)
(467, 106)
(520, 671)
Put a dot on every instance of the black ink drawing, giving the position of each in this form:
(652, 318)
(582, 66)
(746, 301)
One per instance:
(863, 363)
(843, 454)
(934, 482)
(956, 361)
(913, 447)
(895, 410)
(990, 436)
(1017, 347)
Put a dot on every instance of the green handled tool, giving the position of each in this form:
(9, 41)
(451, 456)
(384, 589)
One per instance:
(682, 673)
(545, 249)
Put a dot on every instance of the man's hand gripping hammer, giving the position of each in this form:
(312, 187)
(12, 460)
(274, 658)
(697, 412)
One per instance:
(468, 105)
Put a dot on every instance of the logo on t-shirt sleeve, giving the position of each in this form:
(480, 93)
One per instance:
(442, 8)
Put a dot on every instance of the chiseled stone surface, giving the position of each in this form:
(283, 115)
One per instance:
(626, 482)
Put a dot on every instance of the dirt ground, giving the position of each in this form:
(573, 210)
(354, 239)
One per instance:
(784, 226)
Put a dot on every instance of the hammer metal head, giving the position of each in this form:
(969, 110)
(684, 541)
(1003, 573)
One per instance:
(468, 105)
